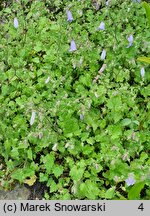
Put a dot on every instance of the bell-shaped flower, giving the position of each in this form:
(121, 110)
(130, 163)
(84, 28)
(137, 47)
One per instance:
(101, 26)
(142, 72)
(130, 40)
(103, 55)
(16, 23)
(130, 181)
(81, 116)
(72, 46)
(32, 117)
(107, 2)
(69, 16)
(136, 1)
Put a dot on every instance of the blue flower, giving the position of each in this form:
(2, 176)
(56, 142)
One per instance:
(130, 40)
(103, 55)
(81, 116)
(142, 72)
(69, 16)
(136, 1)
(130, 181)
(72, 46)
(107, 2)
(16, 23)
(101, 26)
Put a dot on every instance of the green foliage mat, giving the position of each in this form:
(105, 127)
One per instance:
(75, 120)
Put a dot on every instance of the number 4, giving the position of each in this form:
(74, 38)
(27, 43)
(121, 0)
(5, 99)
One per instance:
(141, 207)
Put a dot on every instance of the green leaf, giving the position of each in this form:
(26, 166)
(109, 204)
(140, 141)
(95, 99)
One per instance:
(134, 192)
(29, 153)
(143, 156)
(87, 149)
(57, 170)
(144, 59)
(91, 118)
(70, 126)
(18, 175)
(53, 187)
(43, 177)
(36, 60)
(49, 162)
(126, 122)
(15, 153)
(76, 173)
(38, 46)
(7, 10)
(147, 9)
(89, 189)
(110, 193)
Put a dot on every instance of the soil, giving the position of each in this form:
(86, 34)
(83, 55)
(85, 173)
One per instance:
(24, 192)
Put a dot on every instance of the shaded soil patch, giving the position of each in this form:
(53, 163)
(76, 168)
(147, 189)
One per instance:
(25, 192)
(37, 191)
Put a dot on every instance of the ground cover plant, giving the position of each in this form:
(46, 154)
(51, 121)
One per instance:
(147, 9)
(74, 100)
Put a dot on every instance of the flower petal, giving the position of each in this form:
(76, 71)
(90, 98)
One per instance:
(130, 181)
(69, 16)
(103, 55)
(142, 72)
(101, 26)
(81, 116)
(72, 46)
(136, 1)
(32, 117)
(130, 40)
(16, 23)
(107, 2)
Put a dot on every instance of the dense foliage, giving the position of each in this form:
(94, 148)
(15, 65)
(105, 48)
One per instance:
(74, 101)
